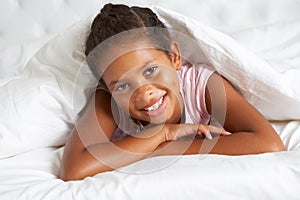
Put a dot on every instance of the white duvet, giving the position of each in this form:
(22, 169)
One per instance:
(38, 111)
(266, 176)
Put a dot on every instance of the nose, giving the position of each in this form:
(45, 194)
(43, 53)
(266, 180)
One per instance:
(146, 95)
(145, 92)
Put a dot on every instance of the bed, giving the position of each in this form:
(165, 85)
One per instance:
(255, 44)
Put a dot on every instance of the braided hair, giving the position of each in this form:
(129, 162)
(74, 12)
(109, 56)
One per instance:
(116, 18)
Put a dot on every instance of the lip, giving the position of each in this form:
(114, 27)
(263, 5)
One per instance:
(159, 110)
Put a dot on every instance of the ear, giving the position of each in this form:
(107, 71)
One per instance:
(175, 55)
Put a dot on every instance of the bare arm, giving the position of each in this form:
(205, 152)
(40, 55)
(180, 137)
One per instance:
(88, 150)
(91, 153)
(80, 161)
(252, 133)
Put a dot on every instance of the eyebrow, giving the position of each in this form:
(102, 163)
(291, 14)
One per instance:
(113, 82)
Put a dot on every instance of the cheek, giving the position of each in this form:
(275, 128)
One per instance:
(123, 101)
(168, 79)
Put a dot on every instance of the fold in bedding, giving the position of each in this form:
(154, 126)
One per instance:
(33, 175)
(30, 171)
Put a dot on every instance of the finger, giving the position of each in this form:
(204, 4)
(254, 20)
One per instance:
(186, 130)
(218, 130)
(171, 134)
(225, 132)
(176, 131)
(204, 129)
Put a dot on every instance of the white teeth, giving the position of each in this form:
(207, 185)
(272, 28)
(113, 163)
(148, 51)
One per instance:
(156, 105)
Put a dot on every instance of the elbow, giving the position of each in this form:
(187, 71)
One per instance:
(78, 169)
(70, 173)
(68, 176)
(64, 177)
(270, 142)
(276, 146)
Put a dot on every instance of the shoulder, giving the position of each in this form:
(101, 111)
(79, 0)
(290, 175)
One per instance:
(193, 80)
(194, 75)
(103, 108)
(190, 71)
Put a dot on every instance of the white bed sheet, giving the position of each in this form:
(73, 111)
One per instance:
(32, 174)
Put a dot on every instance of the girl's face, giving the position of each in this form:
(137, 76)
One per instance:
(144, 84)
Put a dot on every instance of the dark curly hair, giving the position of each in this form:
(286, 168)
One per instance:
(116, 18)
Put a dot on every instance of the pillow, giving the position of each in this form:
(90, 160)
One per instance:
(39, 108)
(264, 87)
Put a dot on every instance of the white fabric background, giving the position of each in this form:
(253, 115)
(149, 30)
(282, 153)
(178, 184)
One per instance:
(27, 25)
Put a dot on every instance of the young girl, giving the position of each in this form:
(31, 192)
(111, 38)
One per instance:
(149, 103)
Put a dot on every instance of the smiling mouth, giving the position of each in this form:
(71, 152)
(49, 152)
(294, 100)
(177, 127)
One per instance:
(156, 105)
(157, 108)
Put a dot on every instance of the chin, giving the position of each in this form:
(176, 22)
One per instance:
(162, 119)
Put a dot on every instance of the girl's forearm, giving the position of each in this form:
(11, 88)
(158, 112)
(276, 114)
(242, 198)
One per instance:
(125, 151)
(241, 143)
(107, 156)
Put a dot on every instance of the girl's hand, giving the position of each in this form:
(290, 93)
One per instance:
(176, 131)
